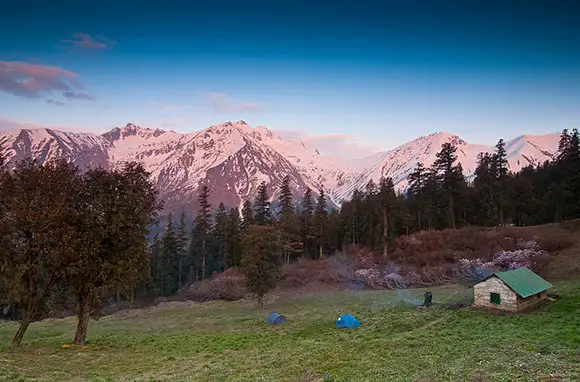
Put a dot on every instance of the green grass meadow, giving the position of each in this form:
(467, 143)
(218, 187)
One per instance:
(229, 341)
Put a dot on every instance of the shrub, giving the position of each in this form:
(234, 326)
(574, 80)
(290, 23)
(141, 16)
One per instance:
(528, 254)
(556, 240)
(334, 269)
(261, 260)
(230, 288)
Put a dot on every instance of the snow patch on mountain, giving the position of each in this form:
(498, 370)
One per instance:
(233, 158)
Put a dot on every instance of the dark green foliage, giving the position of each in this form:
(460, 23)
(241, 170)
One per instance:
(418, 195)
(500, 169)
(262, 259)
(234, 237)
(352, 217)
(37, 232)
(170, 253)
(262, 214)
(320, 223)
(182, 249)
(114, 212)
(393, 216)
(79, 235)
(568, 163)
(200, 238)
(247, 215)
(157, 266)
(288, 223)
(485, 191)
(452, 185)
(306, 224)
(221, 232)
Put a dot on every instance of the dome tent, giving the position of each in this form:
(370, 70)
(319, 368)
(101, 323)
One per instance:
(275, 319)
(347, 321)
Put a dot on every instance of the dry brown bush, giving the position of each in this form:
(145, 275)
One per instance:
(424, 258)
(228, 285)
(431, 248)
(334, 269)
(556, 240)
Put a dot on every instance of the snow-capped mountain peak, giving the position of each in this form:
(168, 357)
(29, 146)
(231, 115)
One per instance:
(233, 158)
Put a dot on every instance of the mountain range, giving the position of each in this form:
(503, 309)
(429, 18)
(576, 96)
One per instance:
(233, 158)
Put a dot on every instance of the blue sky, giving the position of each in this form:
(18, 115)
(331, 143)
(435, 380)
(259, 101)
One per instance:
(350, 76)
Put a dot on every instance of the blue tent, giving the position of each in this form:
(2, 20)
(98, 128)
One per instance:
(275, 319)
(347, 321)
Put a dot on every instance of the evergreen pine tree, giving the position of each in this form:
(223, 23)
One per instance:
(417, 180)
(370, 212)
(234, 238)
(157, 264)
(387, 201)
(262, 259)
(221, 232)
(201, 234)
(247, 215)
(568, 161)
(451, 182)
(262, 206)
(307, 210)
(287, 222)
(356, 219)
(285, 200)
(320, 221)
(485, 186)
(500, 167)
(524, 200)
(182, 244)
(432, 196)
(170, 256)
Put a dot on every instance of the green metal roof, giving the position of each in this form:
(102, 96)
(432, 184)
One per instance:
(523, 281)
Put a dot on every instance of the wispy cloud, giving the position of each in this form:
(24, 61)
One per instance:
(223, 103)
(87, 41)
(73, 95)
(343, 145)
(10, 125)
(33, 80)
(162, 106)
(55, 102)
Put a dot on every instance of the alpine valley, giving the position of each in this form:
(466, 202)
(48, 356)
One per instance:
(233, 158)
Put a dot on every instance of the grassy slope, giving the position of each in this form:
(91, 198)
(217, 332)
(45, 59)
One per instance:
(230, 342)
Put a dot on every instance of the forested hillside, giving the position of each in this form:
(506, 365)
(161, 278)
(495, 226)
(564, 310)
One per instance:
(439, 197)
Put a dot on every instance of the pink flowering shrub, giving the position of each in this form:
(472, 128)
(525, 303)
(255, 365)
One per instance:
(374, 279)
(528, 254)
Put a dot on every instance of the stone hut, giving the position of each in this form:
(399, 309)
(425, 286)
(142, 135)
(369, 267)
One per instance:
(514, 290)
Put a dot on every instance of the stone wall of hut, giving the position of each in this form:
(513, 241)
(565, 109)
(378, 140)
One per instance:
(483, 290)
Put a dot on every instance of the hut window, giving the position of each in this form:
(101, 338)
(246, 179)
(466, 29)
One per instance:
(494, 298)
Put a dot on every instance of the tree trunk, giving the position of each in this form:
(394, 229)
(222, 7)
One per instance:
(28, 315)
(260, 301)
(84, 315)
(385, 234)
(26, 320)
(320, 253)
